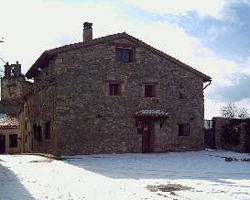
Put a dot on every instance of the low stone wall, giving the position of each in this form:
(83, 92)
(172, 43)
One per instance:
(219, 123)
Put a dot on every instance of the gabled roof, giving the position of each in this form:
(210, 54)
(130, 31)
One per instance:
(53, 52)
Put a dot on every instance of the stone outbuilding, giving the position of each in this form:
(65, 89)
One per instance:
(9, 135)
(113, 94)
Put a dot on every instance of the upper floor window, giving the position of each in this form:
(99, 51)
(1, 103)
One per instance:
(149, 90)
(184, 129)
(124, 54)
(114, 89)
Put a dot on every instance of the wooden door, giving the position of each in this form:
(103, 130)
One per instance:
(2, 144)
(146, 137)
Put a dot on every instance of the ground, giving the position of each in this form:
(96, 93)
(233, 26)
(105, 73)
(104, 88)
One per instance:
(184, 176)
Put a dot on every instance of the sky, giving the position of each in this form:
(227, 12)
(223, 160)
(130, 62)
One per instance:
(211, 36)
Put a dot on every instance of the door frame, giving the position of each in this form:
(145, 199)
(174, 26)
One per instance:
(2, 142)
(148, 136)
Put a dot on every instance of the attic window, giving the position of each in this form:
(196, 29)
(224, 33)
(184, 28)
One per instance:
(124, 54)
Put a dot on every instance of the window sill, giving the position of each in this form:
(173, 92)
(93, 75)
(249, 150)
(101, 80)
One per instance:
(122, 62)
(115, 96)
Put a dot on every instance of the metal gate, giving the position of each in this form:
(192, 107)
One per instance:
(209, 135)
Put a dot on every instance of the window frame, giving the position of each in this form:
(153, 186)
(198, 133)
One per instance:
(184, 129)
(25, 125)
(35, 131)
(114, 89)
(13, 142)
(152, 93)
(126, 55)
(47, 129)
(181, 95)
(39, 134)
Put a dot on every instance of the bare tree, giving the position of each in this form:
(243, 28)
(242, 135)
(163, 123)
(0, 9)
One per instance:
(232, 111)
(243, 113)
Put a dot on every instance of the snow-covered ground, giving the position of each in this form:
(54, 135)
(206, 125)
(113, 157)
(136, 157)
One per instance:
(125, 176)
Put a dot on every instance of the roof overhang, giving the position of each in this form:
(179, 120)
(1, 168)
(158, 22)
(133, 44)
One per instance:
(151, 114)
(41, 62)
(143, 116)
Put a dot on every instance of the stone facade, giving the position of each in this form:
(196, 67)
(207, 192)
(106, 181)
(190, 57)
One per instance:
(13, 89)
(244, 139)
(71, 93)
(10, 138)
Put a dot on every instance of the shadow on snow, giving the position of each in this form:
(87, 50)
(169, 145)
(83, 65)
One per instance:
(186, 165)
(10, 186)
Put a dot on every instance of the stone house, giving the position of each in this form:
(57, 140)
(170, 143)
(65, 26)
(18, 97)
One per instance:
(9, 135)
(112, 94)
(13, 88)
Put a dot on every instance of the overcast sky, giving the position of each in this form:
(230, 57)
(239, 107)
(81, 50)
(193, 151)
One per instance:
(209, 35)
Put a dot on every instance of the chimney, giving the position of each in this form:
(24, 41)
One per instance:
(87, 32)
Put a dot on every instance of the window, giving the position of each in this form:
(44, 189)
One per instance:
(149, 91)
(184, 129)
(35, 131)
(181, 95)
(39, 133)
(25, 125)
(13, 140)
(124, 55)
(47, 130)
(114, 89)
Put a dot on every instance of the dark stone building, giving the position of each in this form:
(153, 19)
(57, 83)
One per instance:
(9, 135)
(13, 89)
(112, 94)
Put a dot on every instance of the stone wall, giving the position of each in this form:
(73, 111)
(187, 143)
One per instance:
(39, 108)
(219, 122)
(86, 119)
(7, 131)
(13, 89)
(14, 86)
(91, 121)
